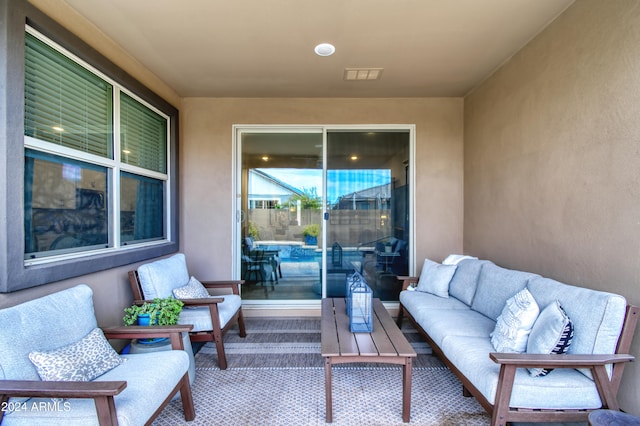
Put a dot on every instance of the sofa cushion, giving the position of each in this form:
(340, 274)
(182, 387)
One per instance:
(551, 334)
(495, 286)
(37, 325)
(82, 361)
(597, 316)
(565, 388)
(435, 278)
(465, 281)
(415, 301)
(440, 323)
(193, 290)
(159, 278)
(515, 323)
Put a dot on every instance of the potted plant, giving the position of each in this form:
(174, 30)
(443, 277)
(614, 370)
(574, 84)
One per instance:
(310, 233)
(158, 312)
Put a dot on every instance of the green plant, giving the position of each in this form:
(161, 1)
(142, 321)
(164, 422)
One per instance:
(309, 199)
(312, 230)
(161, 311)
(253, 231)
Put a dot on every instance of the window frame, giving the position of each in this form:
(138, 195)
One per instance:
(14, 273)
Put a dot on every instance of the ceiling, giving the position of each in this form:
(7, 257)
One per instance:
(264, 48)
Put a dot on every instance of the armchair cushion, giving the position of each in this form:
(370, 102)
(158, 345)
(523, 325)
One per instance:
(84, 360)
(42, 325)
(159, 278)
(201, 319)
(193, 290)
(150, 377)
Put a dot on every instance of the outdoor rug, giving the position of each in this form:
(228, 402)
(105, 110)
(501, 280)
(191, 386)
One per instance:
(275, 376)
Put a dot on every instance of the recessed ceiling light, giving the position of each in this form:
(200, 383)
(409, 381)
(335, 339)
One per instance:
(58, 129)
(324, 49)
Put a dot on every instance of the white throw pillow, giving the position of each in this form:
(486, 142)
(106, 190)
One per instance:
(193, 290)
(435, 278)
(515, 323)
(83, 361)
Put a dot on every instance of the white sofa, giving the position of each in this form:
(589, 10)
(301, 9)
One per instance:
(459, 321)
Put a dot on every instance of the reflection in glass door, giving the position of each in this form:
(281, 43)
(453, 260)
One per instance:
(281, 224)
(301, 235)
(368, 210)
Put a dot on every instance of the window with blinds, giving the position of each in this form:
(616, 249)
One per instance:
(72, 176)
(64, 103)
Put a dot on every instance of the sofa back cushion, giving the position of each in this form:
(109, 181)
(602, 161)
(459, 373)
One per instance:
(43, 324)
(597, 316)
(160, 278)
(495, 286)
(465, 280)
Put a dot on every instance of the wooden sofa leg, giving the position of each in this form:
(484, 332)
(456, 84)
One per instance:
(187, 398)
(400, 317)
(465, 392)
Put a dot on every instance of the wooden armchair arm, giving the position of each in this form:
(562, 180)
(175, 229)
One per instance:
(234, 285)
(558, 361)
(202, 302)
(173, 332)
(101, 392)
(407, 281)
(42, 389)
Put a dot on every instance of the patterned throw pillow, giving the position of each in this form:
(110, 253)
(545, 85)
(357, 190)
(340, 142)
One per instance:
(551, 334)
(82, 361)
(515, 323)
(193, 290)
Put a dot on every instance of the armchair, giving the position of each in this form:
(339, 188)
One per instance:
(211, 316)
(47, 330)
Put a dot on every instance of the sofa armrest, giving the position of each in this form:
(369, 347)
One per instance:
(557, 361)
(510, 362)
(173, 332)
(101, 392)
(408, 281)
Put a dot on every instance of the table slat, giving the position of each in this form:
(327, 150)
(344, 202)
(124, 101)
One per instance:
(402, 346)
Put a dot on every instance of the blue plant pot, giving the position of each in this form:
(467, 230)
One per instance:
(144, 319)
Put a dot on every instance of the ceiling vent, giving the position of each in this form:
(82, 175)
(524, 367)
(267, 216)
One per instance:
(362, 74)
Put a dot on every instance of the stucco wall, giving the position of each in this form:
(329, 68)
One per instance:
(552, 158)
(206, 166)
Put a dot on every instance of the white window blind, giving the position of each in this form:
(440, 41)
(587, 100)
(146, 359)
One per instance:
(143, 139)
(65, 103)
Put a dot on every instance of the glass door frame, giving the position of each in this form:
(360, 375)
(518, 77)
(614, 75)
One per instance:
(237, 211)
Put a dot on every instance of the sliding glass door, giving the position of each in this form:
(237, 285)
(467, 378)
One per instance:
(316, 204)
(368, 209)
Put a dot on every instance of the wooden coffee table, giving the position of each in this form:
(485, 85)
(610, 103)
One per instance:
(386, 344)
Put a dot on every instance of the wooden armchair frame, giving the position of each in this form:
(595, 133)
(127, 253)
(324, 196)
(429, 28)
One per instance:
(103, 393)
(501, 413)
(218, 332)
